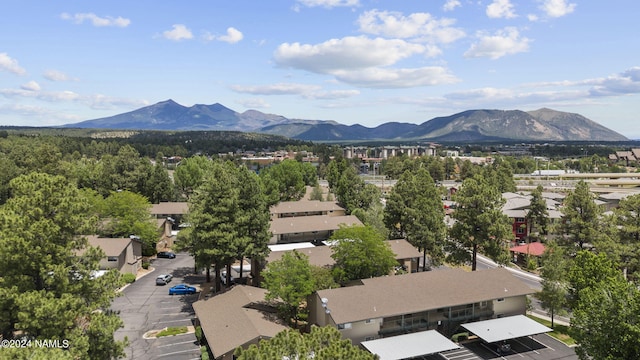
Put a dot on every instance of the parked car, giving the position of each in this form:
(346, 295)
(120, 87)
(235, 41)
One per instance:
(182, 289)
(166, 255)
(500, 348)
(163, 279)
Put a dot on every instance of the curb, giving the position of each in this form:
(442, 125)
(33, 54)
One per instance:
(151, 334)
(151, 269)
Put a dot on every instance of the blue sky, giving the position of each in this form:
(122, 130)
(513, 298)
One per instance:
(352, 61)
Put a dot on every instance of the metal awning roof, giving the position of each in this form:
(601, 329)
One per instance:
(409, 345)
(506, 328)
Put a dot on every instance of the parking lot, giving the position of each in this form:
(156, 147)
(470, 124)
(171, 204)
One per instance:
(538, 347)
(145, 306)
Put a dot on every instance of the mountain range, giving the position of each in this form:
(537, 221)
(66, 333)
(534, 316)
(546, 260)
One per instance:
(471, 125)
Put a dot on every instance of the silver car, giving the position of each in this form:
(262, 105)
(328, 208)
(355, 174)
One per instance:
(163, 279)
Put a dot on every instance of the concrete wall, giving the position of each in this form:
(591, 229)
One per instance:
(361, 330)
(510, 306)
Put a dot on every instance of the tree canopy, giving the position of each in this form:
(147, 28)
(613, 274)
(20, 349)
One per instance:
(321, 343)
(290, 280)
(480, 224)
(47, 288)
(360, 252)
(414, 211)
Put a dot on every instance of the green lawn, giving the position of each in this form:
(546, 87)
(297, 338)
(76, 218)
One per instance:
(560, 332)
(172, 331)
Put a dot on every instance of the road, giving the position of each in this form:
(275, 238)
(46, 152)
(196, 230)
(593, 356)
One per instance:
(533, 281)
(144, 306)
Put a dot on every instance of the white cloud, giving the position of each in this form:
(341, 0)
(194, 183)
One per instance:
(332, 94)
(96, 20)
(329, 3)
(55, 75)
(303, 90)
(233, 36)
(417, 25)
(31, 86)
(382, 78)
(627, 82)
(450, 5)
(275, 89)
(557, 8)
(501, 9)
(177, 33)
(503, 42)
(254, 103)
(532, 17)
(349, 53)
(10, 65)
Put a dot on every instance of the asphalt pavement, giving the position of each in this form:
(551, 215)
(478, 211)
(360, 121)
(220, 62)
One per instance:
(144, 306)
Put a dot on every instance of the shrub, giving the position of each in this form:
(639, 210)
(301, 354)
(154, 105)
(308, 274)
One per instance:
(200, 336)
(128, 278)
(145, 265)
(204, 353)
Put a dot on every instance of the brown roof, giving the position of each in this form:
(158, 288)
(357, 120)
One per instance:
(302, 224)
(421, 291)
(321, 255)
(534, 248)
(110, 246)
(229, 320)
(403, 249)
(302, 206)
(168, 208)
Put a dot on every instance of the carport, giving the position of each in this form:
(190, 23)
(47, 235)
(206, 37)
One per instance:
(409, 345)
(511, 327)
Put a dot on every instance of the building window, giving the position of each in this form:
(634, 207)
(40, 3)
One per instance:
(344, 326)
(368, 321)
(112, 258)
(500, 300)
(369, 338)
(520, 220)
(520, 231)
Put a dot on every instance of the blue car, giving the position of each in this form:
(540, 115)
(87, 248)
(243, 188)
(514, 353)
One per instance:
(182, 289)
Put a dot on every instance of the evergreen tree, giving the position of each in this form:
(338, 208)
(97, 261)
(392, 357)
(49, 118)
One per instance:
(538, 215)
(627, 217)
(47, 288)
(581, 217)
(212, 212)
(414, 211)
(554, 275)
(606, 317)
(252, 220)
(480, 225)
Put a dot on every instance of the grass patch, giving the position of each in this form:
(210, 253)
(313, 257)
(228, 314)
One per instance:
(172, 331)
(560, 332)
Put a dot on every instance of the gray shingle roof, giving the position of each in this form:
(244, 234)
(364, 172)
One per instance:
(228, 320)
(422, 291)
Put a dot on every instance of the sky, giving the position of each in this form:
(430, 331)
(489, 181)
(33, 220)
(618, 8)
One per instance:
(351, 61)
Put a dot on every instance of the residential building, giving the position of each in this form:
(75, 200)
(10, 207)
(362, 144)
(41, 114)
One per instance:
(287, 209)
(313, 228)
(517, 207)
(434, 300)
(123, 254)
(238, 317)
(406, 254)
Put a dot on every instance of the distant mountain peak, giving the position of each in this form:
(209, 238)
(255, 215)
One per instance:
(471, 125)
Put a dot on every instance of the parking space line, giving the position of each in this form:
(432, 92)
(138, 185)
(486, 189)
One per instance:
(178, 352)
(172, 321)
(180, 343)
(523, 344)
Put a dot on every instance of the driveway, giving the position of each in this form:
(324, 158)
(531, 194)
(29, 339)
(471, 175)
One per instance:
(143, 307)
